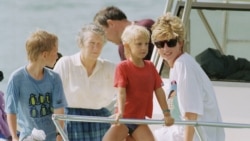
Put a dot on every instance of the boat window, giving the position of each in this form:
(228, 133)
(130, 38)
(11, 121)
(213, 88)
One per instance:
(219, 39)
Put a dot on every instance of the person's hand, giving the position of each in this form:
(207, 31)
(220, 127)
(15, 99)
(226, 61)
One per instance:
(168, 120)
(118, 116)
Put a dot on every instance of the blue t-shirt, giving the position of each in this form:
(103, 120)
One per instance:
(33, 101)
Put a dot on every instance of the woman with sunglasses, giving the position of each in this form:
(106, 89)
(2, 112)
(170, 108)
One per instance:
(190, 91)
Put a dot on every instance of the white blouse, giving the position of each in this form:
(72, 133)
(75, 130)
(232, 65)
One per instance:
(81, 91)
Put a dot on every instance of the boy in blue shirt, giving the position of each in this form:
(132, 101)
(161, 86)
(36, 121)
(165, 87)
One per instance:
(35, 92)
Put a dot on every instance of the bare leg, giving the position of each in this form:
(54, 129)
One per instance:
(143, 133)
(129, 138)
(116, 133)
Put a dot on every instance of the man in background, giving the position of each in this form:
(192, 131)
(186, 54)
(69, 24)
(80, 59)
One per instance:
(113, 20)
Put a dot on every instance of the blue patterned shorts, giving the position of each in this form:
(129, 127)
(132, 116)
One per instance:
(86, 131)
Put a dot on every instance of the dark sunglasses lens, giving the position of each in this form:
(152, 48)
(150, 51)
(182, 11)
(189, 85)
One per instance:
(160, 44)
(172, 43)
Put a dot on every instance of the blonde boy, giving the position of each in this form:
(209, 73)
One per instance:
(34, 92)
(136, 80)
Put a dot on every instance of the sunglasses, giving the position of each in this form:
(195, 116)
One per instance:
(170, 43)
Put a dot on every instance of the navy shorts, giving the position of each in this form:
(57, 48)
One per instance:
(131, 128)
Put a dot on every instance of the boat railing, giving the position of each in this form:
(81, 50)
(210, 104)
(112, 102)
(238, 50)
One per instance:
(57, 117)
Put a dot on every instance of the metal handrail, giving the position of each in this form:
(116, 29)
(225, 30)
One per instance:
(196, 124)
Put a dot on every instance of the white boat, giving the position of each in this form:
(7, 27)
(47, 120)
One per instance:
(221, 25)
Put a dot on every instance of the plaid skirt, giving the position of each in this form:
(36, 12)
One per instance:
(86, 131)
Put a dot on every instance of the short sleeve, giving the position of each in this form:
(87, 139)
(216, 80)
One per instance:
(120, 79)
(188, 90)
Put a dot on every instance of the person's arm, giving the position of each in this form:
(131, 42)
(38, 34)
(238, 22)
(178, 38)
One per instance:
(11, 119)
(121, 102)
(61, 122)
(189, 130)
(161, 98)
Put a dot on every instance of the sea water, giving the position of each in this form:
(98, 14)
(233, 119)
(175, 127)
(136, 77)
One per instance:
(19, 18)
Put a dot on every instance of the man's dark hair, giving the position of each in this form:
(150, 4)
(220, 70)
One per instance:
(111, 12)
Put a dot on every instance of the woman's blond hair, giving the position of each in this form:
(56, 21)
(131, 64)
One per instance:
(169, 27)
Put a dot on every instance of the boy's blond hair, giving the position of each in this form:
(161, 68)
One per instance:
(131, 34)
(38, 42)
